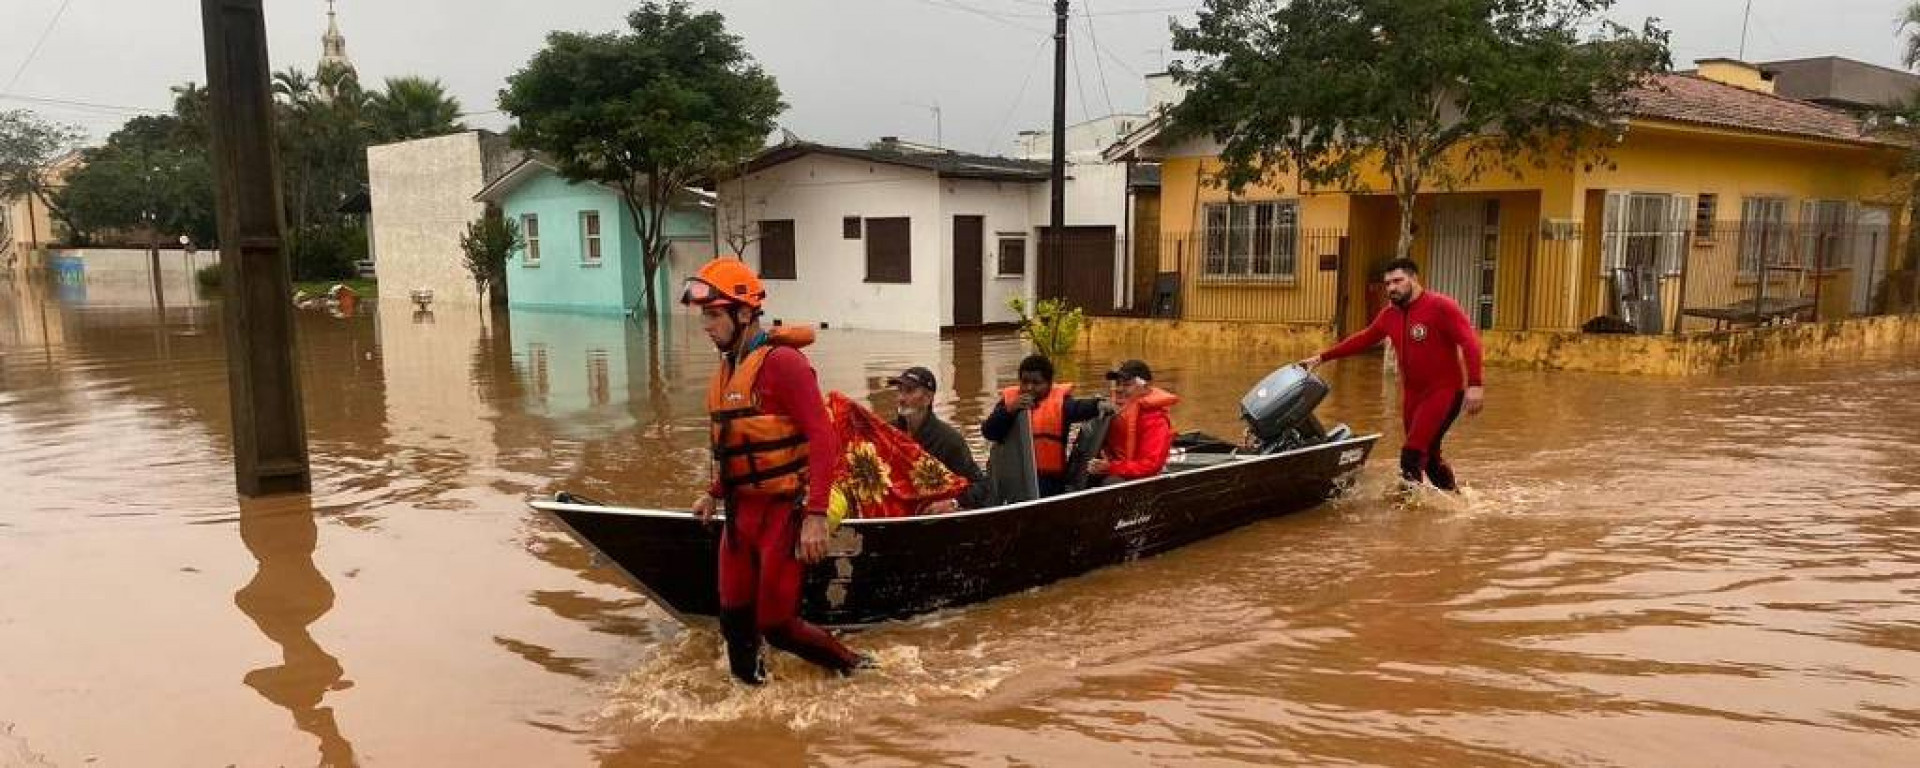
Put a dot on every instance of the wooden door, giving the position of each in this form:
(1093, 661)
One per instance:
(969, 269)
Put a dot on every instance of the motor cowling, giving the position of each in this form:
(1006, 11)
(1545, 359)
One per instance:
(1279, 410)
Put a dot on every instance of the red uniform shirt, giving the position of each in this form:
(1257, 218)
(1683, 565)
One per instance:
(1428, 336)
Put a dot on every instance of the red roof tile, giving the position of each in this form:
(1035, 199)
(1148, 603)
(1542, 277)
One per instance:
(1695, 99)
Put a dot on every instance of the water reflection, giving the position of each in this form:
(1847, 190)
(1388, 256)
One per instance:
(285, 597)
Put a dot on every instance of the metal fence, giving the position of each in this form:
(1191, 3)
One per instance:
(1563, 275)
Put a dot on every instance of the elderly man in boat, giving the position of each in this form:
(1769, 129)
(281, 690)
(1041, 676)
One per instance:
(1141, 436)
(914, 392)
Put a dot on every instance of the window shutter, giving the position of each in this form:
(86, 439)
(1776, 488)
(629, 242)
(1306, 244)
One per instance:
(1809, 233)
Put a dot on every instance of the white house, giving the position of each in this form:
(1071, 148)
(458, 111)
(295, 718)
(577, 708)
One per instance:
(891, 237)
(1102, 207)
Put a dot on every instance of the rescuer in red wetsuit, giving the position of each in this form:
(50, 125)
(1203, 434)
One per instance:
(1431, 336)
(774, 450)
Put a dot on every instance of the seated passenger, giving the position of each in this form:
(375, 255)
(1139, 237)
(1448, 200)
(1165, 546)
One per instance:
(1141, 436)
(914, 415)
(1053, 412)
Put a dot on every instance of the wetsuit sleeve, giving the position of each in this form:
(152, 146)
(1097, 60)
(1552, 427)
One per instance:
(1156, 443)
(790, 385)
(1469, 341)
(1359, 342)
(998, 423)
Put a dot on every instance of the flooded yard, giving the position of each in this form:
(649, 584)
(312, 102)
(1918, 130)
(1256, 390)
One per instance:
(1646, 571)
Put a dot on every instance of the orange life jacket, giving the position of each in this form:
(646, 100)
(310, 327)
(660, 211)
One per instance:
(1123, 433)
(754, 451)
(1048, 419)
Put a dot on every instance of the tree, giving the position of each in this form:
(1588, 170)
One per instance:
(28, 147)
(1426, 92)
(646, 111)
(1909, 25)
(147, 178)
(487, 244)
(414, 108)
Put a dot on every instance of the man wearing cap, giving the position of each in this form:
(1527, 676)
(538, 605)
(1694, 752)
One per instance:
(914, 415)
(1141, 435)
(774, 449)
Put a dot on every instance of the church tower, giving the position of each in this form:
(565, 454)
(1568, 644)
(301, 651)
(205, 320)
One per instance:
(334, 63)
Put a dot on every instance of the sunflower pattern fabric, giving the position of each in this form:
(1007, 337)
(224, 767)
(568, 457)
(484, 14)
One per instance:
(882, 472)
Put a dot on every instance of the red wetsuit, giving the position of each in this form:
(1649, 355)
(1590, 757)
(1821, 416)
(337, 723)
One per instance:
(760, 574)
(1430, 335)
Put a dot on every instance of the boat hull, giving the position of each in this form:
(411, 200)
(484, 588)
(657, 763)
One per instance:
(878, 570)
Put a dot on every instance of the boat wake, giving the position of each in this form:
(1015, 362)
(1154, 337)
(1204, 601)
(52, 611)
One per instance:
(686, 684)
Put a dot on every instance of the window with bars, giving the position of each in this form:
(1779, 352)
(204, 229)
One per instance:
(1763, 233)
(1704, 213)
(1255, 240)
(1646, 231)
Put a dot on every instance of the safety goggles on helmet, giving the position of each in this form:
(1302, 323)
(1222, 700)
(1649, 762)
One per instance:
(698, 291)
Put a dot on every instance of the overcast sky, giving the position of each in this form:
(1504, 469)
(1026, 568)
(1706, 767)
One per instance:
(852, 70)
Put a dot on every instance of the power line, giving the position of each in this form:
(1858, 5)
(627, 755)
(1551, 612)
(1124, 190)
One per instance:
(1098, 67)
(32, 54)
(1021, 95)
(120, 108)
(1079, 87)
(998, 18)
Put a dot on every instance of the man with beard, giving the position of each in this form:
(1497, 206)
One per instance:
(1431, 336)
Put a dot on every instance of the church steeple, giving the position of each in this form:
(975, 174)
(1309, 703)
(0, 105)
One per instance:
(333, 54)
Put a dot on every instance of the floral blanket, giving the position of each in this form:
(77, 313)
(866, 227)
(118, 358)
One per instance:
(882, 472)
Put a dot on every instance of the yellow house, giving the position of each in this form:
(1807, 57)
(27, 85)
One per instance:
(25, 223)
(1721, 202)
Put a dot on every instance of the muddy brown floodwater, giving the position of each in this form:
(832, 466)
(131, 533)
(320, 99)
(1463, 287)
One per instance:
(1647, 572)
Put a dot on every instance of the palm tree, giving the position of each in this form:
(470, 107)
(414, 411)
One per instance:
(414, 108)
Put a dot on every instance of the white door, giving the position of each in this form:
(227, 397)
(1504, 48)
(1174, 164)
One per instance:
(1869, 259)
(1465, 240)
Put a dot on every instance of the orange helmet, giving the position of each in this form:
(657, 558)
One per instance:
(724, 280)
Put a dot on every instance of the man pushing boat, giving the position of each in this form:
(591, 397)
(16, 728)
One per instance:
(1431, 337)
(774, 452)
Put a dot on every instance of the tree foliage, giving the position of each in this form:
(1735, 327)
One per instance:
(155, 170)
(28, 147)
(647, 110)
(146, 181)
(486, 245)
(1424, 92)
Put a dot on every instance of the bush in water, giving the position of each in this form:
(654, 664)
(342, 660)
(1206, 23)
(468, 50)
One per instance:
(208, 276)
(1053, 328)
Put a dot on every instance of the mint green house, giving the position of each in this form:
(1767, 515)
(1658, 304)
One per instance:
(582, 250)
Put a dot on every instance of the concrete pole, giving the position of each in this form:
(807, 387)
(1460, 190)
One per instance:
(269, 429)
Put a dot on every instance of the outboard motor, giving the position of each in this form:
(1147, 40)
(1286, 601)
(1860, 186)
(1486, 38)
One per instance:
(1279, 411)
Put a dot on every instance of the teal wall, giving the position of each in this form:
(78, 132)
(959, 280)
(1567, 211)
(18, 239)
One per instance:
(561, 280)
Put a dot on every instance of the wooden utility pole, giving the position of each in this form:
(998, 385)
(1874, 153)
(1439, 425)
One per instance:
(263, 382)
(1057, 215)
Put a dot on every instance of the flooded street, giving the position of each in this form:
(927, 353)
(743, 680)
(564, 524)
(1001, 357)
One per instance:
(1648, 571)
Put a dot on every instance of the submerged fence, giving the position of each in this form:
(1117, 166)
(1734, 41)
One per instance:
(1558, 276)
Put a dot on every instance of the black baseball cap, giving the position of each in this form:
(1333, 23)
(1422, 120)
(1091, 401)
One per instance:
(916, 376)
(1131, 369)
